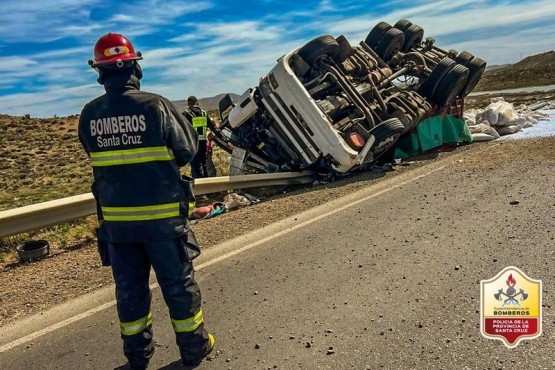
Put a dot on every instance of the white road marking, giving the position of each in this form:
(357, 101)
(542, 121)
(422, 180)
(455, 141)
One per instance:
(104, 306)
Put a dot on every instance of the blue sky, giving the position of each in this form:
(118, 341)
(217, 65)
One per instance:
(208, 47)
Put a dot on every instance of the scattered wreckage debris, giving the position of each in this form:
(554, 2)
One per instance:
(333, 107)
(232, 200)
(502, 118)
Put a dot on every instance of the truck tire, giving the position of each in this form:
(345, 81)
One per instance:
(464, 57)
(390, 44)
(476, 68)
(314, 49)
(413, 38)
(403, 24)
(386, 134)
(451, 85)
(345, 49)
(429, 86)
(376, 34)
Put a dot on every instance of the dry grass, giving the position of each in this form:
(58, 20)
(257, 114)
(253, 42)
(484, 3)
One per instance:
(63, 237)
(42, 160)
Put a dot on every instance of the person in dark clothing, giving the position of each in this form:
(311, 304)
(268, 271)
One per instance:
(137, 141)
(201, 165)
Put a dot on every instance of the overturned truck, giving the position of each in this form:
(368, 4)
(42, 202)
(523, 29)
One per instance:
(330, 106)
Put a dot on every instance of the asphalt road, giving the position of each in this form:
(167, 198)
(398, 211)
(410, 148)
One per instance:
(388, 277)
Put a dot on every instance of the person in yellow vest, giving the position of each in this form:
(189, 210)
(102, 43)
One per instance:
(201, 165)
(136, 142)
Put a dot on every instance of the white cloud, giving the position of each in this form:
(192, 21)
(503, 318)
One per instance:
(236, 32)
(57, 100)
(123, 18)
(159, 12)
(326, 6)
(34, 21)
(213, 56)
(14, 64)
(49, 20)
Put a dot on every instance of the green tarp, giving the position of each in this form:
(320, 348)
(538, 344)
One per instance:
(432, 133)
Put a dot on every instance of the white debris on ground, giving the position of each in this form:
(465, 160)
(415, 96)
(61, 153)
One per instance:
(501, 118)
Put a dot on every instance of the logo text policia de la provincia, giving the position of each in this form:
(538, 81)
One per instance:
(120, 130)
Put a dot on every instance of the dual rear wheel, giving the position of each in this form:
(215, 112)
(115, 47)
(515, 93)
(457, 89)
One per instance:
(445, 83)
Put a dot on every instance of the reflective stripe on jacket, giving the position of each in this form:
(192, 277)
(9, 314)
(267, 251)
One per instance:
(130, 156)
(199, 119)
(200, 124)
(136, 142)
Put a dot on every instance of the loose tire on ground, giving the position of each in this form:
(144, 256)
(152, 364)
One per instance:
(33, 249)
(318, 47)
(451, 85)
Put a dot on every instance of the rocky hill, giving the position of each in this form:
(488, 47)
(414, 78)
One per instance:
(535, 70)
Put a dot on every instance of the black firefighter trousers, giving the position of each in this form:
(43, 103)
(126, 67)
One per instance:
(199, 167)
(131, 263)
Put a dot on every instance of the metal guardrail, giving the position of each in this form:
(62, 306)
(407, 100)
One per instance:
(55, 212)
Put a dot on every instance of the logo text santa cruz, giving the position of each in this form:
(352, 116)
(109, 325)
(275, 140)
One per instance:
(120, 130)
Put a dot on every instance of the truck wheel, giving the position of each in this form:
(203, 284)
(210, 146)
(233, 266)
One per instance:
(390, 44)
(403, 24)
(386, 134)
(451, 85)
(476, 69)
(376, 34)
(429, 86)
(318, 47)
(413, 38)
(464, 57)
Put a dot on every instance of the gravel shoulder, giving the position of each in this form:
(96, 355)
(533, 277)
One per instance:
(31, 288)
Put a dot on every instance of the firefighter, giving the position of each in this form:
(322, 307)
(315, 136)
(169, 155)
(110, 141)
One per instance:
(201, 165)
(137, 141)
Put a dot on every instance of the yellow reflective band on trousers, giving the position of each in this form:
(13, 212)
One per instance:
(141, 213)
(131, 156)
(200, 122)
(137, 326)
(188, 325)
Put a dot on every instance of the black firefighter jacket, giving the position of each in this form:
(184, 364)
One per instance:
(136, 142)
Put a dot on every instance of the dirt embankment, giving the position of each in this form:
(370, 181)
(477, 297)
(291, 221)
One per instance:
(535, 70)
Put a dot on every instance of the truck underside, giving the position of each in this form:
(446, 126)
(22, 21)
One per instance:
(330, 106)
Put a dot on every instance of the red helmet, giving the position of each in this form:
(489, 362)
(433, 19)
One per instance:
(113, 48)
